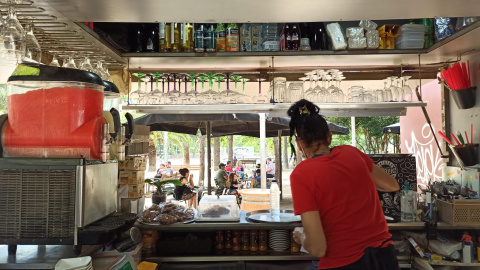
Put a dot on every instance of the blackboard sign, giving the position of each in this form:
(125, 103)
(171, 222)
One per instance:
(404, 169)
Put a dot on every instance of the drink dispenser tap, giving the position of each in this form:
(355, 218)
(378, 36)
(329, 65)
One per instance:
(105, 154)
(121, 145)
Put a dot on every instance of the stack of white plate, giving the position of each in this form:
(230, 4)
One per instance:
(80, 263)
(279, 239)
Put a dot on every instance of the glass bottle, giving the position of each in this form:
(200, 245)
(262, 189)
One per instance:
(175, 37)
(245, 240)
(138, 37)
(199, 44)
(318, 36)
(262, 240)
(209, 39)
(219, 240)
(295, 38)
(161, 37)
(253, 240)
(152, 38)
(187, 37)
(237, 240)
(168, 37)
(288, 37)
(228, 239)
(220, 35)
(233, 38)
(294, 246)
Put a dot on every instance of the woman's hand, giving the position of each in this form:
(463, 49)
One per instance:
(191, 176)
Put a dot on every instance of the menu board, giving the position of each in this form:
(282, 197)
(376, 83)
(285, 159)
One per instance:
(404, 169)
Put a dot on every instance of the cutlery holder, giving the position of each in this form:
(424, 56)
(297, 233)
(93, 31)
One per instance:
(468, 154)
(464, 98)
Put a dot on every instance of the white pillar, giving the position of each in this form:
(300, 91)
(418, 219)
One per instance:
(165, 146)
(263, 150)
(352, 131)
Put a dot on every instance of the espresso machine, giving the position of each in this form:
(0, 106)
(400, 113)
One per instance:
(58, 184)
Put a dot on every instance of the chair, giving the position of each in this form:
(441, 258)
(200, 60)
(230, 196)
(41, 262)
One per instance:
(219, 190)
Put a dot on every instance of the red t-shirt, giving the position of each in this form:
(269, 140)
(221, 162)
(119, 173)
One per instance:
(228, 169)
(340, 187)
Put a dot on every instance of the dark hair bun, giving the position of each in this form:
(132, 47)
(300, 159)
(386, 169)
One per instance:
(183, 171)
(303, 107)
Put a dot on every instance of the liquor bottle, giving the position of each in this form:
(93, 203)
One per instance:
(199, 44)
(318, 36)
(138, 37)
(168, 37)
(233, 40)
(209, 39)
(152, 38)
(175, 37)
(161, 37)
(187, 37)
(295, 38)
(220, 35)
(288, 37)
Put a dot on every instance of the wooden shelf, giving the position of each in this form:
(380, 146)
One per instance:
(230, 255)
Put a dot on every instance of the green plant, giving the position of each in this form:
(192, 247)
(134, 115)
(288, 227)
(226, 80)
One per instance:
(160, 185)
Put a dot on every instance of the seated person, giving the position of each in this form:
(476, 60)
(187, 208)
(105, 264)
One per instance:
(160, 171)
(228, 168)
(233, 184)
(221, 176)
(270, 168)
(240, 169)
(184, 192)
(257, 178)
(169, 171)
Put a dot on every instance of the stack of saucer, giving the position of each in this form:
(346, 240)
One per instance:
(80, 263)
(279, 239)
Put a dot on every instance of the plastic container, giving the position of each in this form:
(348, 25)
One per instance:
(274, 199)
(218, 208)
(271, 37)
(464, 98)
(408, 205)
(54, 112)
(460, 212)
(468, 154)
(406, 44)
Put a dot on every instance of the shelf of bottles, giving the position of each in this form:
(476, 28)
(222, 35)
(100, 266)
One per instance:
(205, 93)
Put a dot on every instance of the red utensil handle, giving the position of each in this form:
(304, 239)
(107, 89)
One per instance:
(456, 140)
(445, 137)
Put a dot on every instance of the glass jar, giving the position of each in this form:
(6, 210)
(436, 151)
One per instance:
(228, 239)
(237, 240)
(253, 240)
(245, 240)
(278, 89)
(294, 246)
(295, 92)
(262, 240)
(219, 240)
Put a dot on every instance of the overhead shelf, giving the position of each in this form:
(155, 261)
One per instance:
(280, 109)
(262, 256)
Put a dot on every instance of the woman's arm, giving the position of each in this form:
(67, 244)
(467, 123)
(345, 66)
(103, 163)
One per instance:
(313, 238)
(384, 181)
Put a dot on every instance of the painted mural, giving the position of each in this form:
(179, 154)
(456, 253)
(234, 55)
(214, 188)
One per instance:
(417, 138)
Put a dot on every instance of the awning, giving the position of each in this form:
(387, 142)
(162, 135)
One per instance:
(222, 124)
(394, 129)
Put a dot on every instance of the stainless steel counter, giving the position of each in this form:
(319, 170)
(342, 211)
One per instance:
(246, 225)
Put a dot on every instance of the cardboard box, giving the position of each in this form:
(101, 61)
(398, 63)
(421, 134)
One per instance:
(136, 177)
(123, 177)
(135, 191)
(134, 164)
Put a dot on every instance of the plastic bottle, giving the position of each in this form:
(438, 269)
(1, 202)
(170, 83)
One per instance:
(295, 38)
(233, 38)
(294, 246)
(274, 199)
(220, 35)
(407, 204)
(467, 249)
(199, 40)
(288, 37)
(271, 37)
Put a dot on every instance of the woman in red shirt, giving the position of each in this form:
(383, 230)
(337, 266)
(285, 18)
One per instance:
(335, 192)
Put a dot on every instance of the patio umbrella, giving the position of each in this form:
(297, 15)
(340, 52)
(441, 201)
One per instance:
(394, 129)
